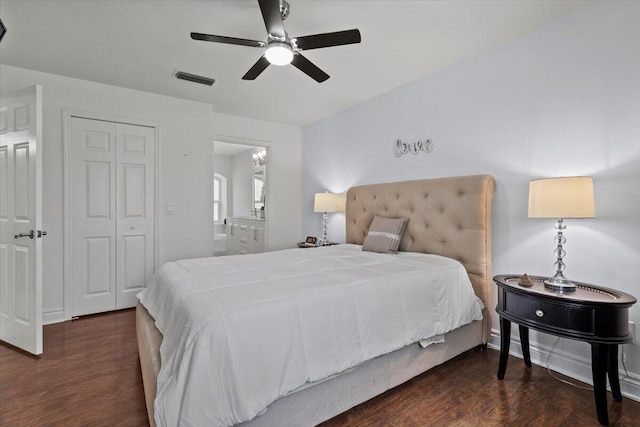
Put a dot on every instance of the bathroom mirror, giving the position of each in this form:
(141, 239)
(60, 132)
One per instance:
(259, 189)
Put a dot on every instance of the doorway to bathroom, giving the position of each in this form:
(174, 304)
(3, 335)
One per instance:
(239, 209)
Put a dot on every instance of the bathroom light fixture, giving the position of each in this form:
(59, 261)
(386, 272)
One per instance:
(279, 53)
(566, 197)
(260, 158)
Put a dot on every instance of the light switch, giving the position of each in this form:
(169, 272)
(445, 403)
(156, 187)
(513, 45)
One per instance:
(168, 209)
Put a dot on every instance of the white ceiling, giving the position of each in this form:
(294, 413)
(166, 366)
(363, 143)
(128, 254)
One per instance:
(139, 44)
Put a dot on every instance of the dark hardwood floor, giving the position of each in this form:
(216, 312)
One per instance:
(89, 375)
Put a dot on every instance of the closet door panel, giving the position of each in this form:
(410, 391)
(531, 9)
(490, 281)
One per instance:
(98, 266)
(134, 188)
(135, 210)
(134, 258)
(93, 215)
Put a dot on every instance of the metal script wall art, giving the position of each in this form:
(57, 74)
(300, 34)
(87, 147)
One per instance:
(400, 147)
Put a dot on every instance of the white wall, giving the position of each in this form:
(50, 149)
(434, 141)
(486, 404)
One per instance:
(185, 127)
(564, 100)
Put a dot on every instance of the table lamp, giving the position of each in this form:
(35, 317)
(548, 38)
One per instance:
(561, 198)
(328, 202)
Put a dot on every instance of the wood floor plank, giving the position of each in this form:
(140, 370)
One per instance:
(89, 375)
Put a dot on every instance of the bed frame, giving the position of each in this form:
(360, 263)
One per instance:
(447, 216)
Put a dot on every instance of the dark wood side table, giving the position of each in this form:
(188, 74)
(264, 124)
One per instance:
(597, 315)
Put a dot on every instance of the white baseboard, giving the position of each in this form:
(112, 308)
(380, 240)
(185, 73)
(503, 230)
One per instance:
(53, 317)
(567, 364)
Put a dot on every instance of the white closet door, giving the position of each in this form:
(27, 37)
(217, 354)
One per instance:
(112, 225)
(135, 146)
(93, 215)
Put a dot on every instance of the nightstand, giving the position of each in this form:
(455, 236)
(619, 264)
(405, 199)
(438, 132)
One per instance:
(597, 315)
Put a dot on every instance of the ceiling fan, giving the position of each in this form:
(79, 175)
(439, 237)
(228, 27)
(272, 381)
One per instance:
(282, 49)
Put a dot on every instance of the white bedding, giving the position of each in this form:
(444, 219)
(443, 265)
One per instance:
(241, 331)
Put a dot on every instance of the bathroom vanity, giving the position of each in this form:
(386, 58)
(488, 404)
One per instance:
(245, 235)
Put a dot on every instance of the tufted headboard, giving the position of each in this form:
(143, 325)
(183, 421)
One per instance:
(447, 216)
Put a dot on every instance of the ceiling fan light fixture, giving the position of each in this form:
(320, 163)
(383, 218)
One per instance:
(279, 48)
(279, 53)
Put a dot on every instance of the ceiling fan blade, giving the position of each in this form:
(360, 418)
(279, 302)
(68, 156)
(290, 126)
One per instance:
(272, 19)
(337, 38)
(307, 67)
(257, 68)
(227, 40)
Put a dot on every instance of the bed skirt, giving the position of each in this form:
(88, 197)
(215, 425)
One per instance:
(320, 402)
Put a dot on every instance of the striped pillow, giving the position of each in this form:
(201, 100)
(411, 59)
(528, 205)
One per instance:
(384, 235)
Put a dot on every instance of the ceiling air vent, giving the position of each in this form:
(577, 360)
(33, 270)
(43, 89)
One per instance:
(194, 78)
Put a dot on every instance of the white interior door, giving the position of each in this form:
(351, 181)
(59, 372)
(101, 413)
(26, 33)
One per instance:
(135, 148)
(21, 219)
(112, 182)
(93, 215)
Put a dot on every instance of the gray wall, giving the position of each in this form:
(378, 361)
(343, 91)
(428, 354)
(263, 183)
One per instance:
(564, 100)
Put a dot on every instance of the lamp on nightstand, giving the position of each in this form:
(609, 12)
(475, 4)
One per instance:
(326, 203)
(560, 198)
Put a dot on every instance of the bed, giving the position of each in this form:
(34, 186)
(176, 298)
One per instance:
(447, 217)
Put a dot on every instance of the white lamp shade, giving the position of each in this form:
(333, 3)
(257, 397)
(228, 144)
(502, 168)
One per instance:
(329, 202)
(566, 197)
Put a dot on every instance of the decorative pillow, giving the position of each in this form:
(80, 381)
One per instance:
(384, 235)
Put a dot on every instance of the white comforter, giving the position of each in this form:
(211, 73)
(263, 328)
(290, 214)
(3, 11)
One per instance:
(241, 331)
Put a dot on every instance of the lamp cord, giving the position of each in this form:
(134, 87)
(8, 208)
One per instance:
(562, 380)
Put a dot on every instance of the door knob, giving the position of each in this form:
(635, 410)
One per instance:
(30, 235)
(133, 227)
